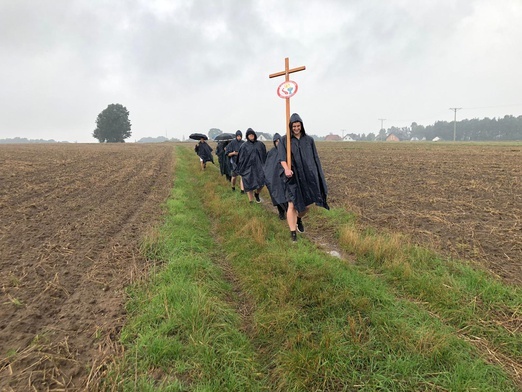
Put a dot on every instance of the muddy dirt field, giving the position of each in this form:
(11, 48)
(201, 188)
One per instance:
(72, 217)
(463, 200)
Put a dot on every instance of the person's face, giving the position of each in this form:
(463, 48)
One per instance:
(277, 142)
(296, 128)
(238, 137)
(251, 137)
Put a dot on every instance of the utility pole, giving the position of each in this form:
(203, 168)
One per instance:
(454, 122)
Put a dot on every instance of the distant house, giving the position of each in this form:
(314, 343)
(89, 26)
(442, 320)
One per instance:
(436, 139)
(392, 138)
(348, 138)
(263, 136)
(333, 138)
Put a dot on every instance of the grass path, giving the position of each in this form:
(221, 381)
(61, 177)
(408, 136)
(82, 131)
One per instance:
(232, 305)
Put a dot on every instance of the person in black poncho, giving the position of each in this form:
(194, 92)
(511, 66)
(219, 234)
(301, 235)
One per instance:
(273, 180)
(231, 151)
(204, 152)
(250, 161)
(305, 181)
(224, 161)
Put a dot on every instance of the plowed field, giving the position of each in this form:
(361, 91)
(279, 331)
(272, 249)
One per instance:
(463, 200)
(72, 217)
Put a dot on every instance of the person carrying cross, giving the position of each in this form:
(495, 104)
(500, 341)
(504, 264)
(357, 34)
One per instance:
(305, 181)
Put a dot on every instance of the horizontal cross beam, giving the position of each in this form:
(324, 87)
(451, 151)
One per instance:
(274, 75)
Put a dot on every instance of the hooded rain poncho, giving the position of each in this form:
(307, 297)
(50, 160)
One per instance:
(224, 162)
(234, 146)
(250, 161)
(273, 171)
(204, 151)
(308, 185)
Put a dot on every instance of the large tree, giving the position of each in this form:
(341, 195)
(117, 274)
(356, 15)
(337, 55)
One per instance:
(213, 132)
(113, 124)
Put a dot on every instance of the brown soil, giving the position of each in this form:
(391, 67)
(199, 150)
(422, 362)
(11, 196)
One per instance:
(72, 219)
(463, 200)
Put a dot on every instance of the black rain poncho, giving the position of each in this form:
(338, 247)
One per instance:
(224, 162)
(234, 146)
(273, 170)
(250, 161)
(308, 185)
(204, 151)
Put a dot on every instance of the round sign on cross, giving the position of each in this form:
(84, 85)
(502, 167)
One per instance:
(287, 89)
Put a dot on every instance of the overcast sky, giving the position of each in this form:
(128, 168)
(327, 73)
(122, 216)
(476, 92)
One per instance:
(186, 66)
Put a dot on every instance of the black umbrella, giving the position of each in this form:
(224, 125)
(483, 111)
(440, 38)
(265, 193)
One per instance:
(224, 137)
(198, 136)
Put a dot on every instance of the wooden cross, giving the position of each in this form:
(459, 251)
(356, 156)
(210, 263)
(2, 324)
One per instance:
(286, 72)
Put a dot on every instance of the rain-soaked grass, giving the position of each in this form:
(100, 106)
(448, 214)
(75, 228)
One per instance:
(233, 305)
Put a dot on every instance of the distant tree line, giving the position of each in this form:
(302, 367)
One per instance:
(20, 140)
(159, 139)
(507, 128)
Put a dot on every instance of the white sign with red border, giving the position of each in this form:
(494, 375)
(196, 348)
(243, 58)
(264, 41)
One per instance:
(287, 89)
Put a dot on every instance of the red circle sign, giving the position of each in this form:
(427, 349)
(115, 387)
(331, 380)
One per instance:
(287, 89)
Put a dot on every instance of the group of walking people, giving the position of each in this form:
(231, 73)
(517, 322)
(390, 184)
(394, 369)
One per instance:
(293, 185)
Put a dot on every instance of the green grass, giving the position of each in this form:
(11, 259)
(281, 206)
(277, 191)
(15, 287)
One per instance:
(232, 305)
(467, 298)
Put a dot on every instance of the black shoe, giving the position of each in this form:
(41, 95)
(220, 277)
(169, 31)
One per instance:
(256, 195)
(300, 226)
(242, 192)
(233, 188)
(294, 236)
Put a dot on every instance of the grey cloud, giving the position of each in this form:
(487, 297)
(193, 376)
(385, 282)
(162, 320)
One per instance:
(63, 61)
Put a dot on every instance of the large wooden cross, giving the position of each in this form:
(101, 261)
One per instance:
(287, 72)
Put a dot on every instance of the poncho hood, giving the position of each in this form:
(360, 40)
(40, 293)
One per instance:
(296, 118)
(276, 138)
(250, 131)
(239, 133)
